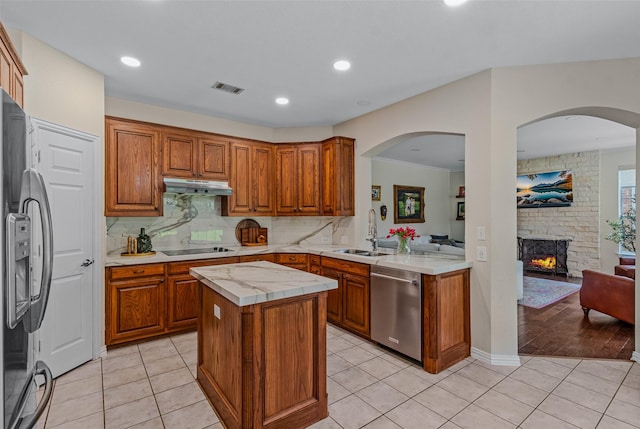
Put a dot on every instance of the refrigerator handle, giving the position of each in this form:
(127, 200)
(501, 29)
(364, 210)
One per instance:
(30, 421)
(33, 189)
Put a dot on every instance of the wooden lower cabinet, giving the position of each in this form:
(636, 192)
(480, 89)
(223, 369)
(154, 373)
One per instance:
(269, 257)
(334, 296)
(447, 331)
(135, 302)
(348, 306)
(315, 264)
(144, 301)
(182, 302)
(264, 365)
(299, 261)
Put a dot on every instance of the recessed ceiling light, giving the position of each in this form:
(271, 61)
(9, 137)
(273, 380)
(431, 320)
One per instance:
(454, 3)
(342, 65)
(130, 61)
(282, 101)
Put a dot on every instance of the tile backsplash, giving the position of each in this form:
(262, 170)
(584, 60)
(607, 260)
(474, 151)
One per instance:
(194, 221)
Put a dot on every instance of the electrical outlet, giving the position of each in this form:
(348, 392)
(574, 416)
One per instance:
(325, 240)
(344, 239)
(481, 253)
(481, 233)
(216, 311)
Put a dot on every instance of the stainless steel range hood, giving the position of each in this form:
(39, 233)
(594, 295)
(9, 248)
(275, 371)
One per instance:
(196, 187)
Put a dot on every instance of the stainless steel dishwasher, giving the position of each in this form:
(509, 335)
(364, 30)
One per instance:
(396, 310)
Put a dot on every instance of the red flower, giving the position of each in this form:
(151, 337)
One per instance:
(403, 233)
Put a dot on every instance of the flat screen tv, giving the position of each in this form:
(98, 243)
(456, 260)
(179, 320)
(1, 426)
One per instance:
(552, 189)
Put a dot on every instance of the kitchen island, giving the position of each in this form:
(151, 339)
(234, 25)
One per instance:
(262, 344)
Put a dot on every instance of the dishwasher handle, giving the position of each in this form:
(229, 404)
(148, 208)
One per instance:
(413, 282)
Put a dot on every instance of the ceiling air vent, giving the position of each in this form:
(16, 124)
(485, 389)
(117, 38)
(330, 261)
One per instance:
(225, 87)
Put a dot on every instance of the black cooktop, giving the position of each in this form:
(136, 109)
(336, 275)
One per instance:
(195, 251)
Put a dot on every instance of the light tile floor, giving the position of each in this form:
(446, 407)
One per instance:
(152, 385)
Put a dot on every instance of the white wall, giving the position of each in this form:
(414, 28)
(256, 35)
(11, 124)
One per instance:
(160, 115)
(610, 163)
(60, 89)
(387, 173)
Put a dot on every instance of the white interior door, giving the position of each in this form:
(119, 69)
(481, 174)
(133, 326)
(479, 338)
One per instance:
(65, 158)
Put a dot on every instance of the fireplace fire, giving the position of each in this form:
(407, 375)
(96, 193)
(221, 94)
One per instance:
(548, 263)
(545, 255)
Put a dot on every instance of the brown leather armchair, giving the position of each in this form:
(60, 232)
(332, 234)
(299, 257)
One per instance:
(609, 294)
(626, 268)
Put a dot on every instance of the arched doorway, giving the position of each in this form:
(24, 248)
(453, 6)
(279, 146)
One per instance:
(560, 329)
(432, 160)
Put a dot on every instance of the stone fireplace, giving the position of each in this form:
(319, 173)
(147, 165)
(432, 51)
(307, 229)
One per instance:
(543, 255)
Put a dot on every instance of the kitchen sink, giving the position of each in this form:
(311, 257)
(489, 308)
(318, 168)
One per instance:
(361, 252)
(352, 251)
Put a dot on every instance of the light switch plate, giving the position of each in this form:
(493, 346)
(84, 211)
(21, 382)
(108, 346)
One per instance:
(481, 233)
(481, 253)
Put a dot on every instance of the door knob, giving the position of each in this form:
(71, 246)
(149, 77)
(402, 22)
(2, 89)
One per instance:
(87, 262)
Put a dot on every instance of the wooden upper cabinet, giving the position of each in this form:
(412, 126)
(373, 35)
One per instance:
(338, 177)
(179, 155)
(132, 182)
(213, 156)
(298, 179)
(194, 156)
(251, 178)
(11, 68)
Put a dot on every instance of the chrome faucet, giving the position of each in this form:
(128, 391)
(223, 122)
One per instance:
(373, 229)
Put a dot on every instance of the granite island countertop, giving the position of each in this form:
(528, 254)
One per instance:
(432, 264)
(249, 283)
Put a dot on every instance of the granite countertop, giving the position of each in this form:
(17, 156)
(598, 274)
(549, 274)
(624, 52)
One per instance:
(431, 264)
(255, 282)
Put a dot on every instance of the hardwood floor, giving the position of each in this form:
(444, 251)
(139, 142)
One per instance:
(560, 329)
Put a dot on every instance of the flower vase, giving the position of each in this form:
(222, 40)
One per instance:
(403, 246)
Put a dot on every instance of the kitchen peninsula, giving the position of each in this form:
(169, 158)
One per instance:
(262, 344)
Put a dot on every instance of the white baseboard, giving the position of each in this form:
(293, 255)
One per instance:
(103, 352)
(503, 360)
(635, 356)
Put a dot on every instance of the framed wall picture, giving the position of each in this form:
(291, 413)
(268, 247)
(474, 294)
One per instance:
(551, 189)
(375, 193)
(460, 211)
(460, 192)
(408, 204)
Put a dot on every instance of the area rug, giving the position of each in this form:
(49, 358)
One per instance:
(539, 292)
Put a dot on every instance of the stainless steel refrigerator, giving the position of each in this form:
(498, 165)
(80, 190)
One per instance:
(24, 299)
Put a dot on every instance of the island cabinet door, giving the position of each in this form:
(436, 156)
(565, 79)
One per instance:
(355, 306)
(334, 297)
